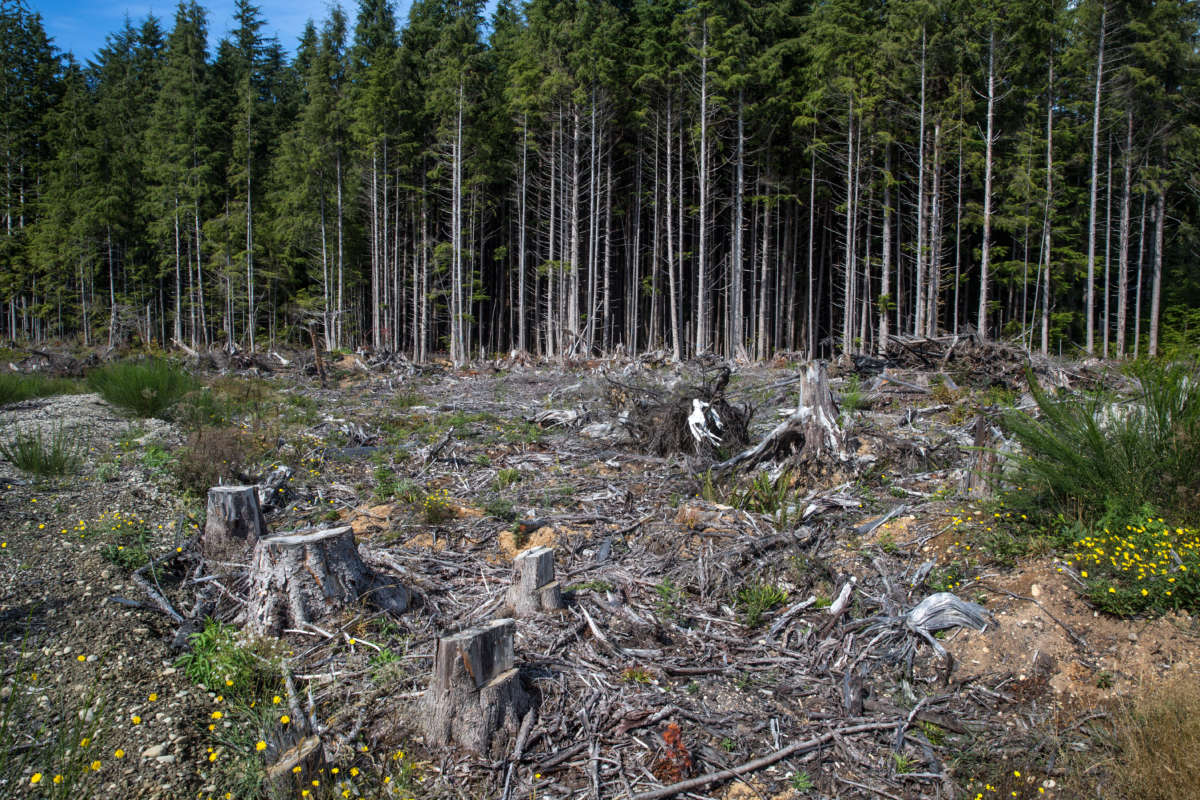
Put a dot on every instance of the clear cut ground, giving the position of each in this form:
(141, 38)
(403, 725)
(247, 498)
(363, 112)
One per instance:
(685, 615)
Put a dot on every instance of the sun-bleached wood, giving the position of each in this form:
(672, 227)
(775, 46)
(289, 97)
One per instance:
(475, 698)
(534, 588)
(304, 576)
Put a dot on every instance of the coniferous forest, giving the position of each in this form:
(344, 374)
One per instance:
(735, 176)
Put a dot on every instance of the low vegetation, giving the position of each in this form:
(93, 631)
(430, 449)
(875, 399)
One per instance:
(15, 387)
(44, 453)
(148, 388)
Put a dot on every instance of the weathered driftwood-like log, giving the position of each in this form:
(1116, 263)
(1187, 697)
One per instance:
(810, 434)
(476, 699)
(283, 780)
(533, 588)
(233, 525)
(301, 577)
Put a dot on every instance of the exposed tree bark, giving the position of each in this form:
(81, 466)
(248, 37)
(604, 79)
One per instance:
(1090, 288)
(475, 698)
(985, 258)
(1160, 214)
(534, 589)
(233, 524)
(1123, 256)
(302, 577)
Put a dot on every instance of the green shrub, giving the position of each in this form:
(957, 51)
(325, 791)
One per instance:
(506, 477)
(1091, 457)
(222, 663)
(15, 387)
(147, 388)
(756, 599)
(36, 452)
(1139, 565)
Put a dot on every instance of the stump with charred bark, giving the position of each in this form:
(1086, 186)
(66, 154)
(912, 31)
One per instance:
(233, 525)
(534, 588)
(476, 699)
(304, 576)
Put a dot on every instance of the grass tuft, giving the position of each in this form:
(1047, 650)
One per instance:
(15, 387)
(148, 388)
(44, 454)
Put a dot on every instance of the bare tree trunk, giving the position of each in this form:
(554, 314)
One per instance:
(1107, 247)
(933, 283)
(847, 278)
(1047, 214)
(1137, 302)
(1123, 257)
(736, 339)
(573, 300)
(672, 301)
(521, 236)
(340, 310)
(1090, 345)
(702, 261)
(919, 287)
(1160, 213)
(985, 259)
(885, 277)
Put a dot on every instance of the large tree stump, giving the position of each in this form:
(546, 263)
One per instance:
(233, 525)
(811, 434)
(304, 576)
(476, 699)
(533, 588)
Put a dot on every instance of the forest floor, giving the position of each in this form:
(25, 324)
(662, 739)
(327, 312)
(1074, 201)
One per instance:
(696, 636)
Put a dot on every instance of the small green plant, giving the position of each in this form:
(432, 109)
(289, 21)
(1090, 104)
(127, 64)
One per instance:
(500, 508)
(1104, 679)
(384, 663)
(44, 454)
(934, 733)
(904, 764)
(801, 782)
(223, 662)
(505, 478)
(147, 388)
(669, 597)
(823, 601)
(887, 543)
(728, 745)
(436, 507)
(692, 688)
(591, 586)
(853, 398)
(756, 599)
(636, 675)
(407, 399)
(156, 459)
(107, 471)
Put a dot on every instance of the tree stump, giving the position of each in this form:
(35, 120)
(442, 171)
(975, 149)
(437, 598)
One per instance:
(282, 778)
(304, 576)
(233, 525)
(534, 589)
(476, 699)
(810, 435)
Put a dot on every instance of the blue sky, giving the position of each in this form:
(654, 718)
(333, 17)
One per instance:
(81, 25)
